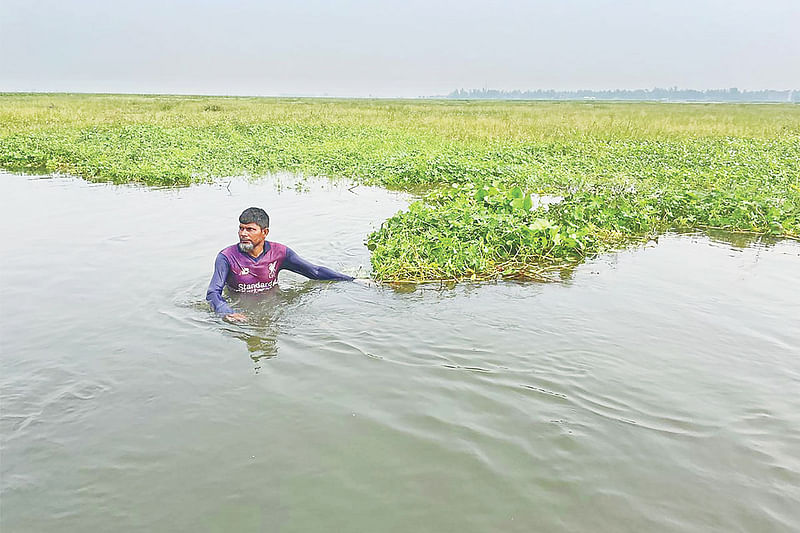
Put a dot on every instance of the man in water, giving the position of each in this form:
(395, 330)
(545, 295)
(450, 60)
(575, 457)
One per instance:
(252, 265)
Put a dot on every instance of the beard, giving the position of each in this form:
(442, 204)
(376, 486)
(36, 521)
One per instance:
(246, 246)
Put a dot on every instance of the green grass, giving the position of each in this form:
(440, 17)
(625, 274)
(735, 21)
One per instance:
(626, 171)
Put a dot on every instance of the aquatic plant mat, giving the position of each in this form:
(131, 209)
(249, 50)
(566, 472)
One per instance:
(507, 189)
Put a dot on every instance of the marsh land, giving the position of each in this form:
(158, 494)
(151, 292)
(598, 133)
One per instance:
(622, 172)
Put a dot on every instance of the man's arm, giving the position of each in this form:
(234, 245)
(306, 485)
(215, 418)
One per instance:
(214, 292)
(297, 264)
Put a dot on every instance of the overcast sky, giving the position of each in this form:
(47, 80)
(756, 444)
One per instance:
(408, 48)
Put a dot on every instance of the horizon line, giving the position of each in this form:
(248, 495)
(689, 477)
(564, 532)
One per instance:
(375, 97)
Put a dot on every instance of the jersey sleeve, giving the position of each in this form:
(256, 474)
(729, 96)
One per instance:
(214, 292)
(297, 264)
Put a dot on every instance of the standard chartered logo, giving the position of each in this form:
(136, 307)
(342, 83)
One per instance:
(256, 287)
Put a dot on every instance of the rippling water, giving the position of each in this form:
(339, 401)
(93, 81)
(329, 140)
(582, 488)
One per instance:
(657, 389)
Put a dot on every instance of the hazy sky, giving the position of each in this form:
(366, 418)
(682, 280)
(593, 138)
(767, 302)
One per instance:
(408, 48)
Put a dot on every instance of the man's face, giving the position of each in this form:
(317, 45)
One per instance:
(250, 236)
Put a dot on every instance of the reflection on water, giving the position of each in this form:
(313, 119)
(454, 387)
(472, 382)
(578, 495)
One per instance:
(740, 240)
(264, 312)
(652, 389)
(261, 340)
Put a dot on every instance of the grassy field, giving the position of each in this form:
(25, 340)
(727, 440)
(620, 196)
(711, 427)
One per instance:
(625, 171)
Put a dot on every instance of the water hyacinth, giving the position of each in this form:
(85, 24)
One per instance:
(489, 173)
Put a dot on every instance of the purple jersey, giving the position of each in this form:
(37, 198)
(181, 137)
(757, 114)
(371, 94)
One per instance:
(251, 275)
(242, 272)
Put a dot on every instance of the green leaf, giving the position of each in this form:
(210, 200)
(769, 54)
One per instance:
(527, 204)
(540, 224)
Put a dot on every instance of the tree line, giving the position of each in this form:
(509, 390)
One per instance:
(671, 94)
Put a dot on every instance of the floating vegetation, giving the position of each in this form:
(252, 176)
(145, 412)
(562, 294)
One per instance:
(486, 232)
(622, 172)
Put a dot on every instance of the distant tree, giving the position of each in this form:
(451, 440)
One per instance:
(673, 94)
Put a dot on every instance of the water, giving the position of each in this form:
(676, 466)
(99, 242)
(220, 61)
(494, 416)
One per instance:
(657, 389)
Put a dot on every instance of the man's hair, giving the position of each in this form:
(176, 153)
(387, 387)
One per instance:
(254, 215)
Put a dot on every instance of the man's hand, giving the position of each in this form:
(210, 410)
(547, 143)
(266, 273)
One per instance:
(236, 317)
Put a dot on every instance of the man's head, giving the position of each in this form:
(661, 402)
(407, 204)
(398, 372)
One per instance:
(253, 228)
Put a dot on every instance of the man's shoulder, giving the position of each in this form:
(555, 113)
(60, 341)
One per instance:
(278, 247)
(229, 253)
